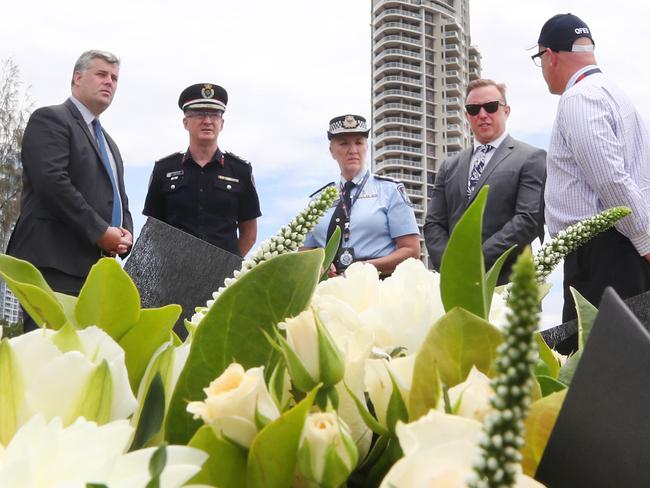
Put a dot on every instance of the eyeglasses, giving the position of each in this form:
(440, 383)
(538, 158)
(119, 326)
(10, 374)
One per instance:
(490, 107)
(195, 114)
(537, 58)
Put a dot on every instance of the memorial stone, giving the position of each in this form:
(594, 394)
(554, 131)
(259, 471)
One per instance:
(171, 266)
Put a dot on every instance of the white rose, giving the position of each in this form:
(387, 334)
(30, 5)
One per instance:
(49, 455)
(326, 453)
(359, 288)
(498, 310)
(438, 452)
(471, 398)
(232, 402)
(380, 386)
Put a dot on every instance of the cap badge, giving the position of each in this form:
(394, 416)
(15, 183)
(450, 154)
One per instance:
(350, 122)
(207, 91)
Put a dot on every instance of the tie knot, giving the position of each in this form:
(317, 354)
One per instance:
(349, 185)
(485, 148)
(96, 123)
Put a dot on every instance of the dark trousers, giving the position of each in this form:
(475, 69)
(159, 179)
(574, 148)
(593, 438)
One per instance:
(609, 259)
(58, 281)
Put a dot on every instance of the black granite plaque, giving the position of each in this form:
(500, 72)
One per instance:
(639, 305)
(171, 266)
(602, 433)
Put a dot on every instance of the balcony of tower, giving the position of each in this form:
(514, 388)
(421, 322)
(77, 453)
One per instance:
(398, 14)
(396, 80)
(398, 163)
(453, 76)
(395, 28)
(395, 68)
(397, 95)
(397, 109)
(395, 40)
(397, 136)
(397, 150)
(397, 122)
(397, 54)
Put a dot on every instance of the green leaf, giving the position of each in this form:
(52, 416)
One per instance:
(152, 415)
(269, 293)
(299, 374)
(370, 421)
(142, 340)
(586, 316)
(108, 299)
(331, 249)
(96, 397)
(66, 339)
(277, 386)
(226, 463)
(492, 277)
(396, 409)
(33, 292)
(425, 385)
(455, 343)
(549, 385)
(156, 466)
(69, 303)
(11, 392)
(330, 360)
(547, 356)
(378, 472)
(462, 271)
(273, 453)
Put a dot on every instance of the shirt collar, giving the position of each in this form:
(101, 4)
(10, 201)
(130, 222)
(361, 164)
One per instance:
(495, 143)
(572, 80)
(357, 179)
(218, 156)
(87, 115)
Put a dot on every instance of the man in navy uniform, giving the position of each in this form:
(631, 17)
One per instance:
(204, 191)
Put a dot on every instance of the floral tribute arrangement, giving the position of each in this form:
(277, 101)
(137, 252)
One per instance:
(289, 379)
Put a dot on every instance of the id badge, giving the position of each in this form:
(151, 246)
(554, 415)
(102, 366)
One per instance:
(344, 259)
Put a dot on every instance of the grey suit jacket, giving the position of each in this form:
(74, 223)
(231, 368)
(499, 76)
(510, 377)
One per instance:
(514, 213)
(67, 196)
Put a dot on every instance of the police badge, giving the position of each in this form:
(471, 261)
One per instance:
(207, 91)
(350, 122)
(344, 259)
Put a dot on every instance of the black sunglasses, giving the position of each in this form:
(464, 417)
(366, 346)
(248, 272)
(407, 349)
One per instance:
(490, 107)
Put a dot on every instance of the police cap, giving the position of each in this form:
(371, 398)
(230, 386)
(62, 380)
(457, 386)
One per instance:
(347, 124)
(203, 96)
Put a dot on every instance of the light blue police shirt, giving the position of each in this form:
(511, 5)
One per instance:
(381, 213)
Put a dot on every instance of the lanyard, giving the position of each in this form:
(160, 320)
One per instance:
(347, 211)
(587, 73)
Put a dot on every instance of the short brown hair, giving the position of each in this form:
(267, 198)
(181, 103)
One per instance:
(486, 82)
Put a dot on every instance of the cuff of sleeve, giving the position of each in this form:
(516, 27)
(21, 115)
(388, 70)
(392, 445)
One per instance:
(641, 243)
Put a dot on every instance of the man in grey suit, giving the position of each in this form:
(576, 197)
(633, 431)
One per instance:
(74, 208)
(514, 171)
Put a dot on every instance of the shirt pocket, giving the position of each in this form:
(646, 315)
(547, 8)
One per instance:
(232, 187)
(171, 186)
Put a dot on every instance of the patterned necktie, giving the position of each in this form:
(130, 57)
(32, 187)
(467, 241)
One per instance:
(477, 168)
(116, 216)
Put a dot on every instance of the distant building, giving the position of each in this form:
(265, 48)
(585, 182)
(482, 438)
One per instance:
(9, 306)
(422, 61)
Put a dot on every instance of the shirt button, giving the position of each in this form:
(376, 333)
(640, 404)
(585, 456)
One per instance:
(228, 187)
(338, 220)
(173, 186)
(201, 190)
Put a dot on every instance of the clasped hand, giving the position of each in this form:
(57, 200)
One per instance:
(115, 240)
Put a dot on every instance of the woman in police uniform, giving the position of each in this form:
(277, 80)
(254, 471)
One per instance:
(375, 216)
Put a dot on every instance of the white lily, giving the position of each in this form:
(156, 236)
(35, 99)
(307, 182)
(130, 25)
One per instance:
(65, 373)
(46, 454)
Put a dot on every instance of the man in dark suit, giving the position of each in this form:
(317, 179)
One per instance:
(514, 171)
(74, 208)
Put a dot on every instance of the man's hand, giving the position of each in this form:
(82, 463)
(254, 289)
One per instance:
(115, 240)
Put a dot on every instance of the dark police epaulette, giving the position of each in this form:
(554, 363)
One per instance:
(331, 183)
(234, 157)
(387, 178)
(169, 156)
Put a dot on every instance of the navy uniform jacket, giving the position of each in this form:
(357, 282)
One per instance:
(206, 202)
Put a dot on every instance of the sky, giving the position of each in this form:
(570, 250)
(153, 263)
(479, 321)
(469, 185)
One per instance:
(289, 66)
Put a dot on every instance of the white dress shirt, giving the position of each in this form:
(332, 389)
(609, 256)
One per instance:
(599, 157)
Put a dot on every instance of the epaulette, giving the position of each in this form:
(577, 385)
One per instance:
(331, 183)
(169, 156)
(236, 158)
(386, 178)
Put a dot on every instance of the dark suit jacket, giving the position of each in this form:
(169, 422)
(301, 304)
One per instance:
(514, 213)
(67, 197)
